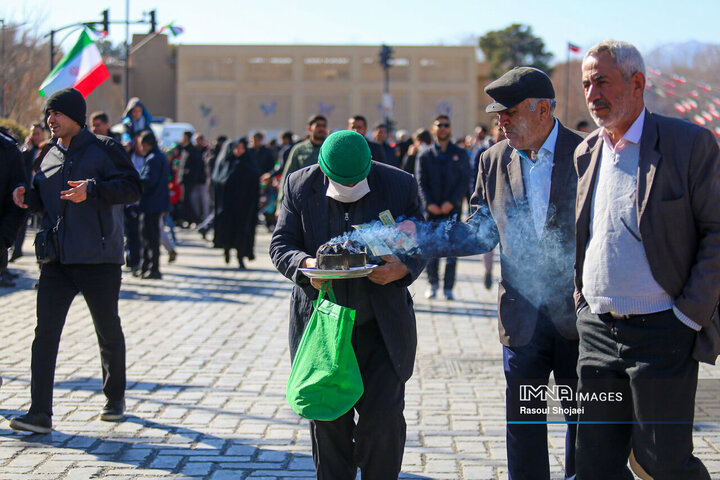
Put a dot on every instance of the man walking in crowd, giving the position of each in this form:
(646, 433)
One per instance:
(155, 201)
(100, 125)
(648, 274)
(321, 202)
(421, 140)
(11, 217)
(358, 123)
(380, 135)
(304, 153)
(526, 185)
(286, 144)
(442, 172)
(81, 185)
(264, 156)
(525, 200)
(193, 180)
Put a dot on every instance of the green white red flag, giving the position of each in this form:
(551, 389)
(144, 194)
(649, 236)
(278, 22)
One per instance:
(82, 68)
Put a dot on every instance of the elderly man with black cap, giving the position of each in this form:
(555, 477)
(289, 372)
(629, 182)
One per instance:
(525, 191)
(321, 202)
(80, 186)
(524, 200)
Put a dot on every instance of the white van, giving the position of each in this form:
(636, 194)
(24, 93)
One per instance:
(170, 132)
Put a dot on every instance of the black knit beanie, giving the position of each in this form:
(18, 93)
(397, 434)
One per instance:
(70, 102)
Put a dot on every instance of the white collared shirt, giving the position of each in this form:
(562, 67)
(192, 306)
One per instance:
(537, 176)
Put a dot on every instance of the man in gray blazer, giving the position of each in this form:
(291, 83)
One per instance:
(525, 191)
(647, 275)
(525, 200)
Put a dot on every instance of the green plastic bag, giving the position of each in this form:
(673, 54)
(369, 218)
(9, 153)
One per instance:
(325, 379)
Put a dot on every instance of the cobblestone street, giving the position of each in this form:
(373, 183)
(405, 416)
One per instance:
(208, 361)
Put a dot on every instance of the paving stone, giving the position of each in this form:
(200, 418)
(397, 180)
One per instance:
(207, 366)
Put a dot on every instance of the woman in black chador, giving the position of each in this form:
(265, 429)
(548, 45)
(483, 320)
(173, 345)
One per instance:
(236, 180)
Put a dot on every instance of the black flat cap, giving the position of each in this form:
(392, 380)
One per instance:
(517, 85)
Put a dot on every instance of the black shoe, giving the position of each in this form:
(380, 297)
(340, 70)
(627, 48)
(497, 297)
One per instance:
(6, 282)
(16, 254)
(488, 280)
(172, 255)
(32, 422)
(241, 265)
(7, 273)
(227, 256)
(113, 411)
(449, 294)
(152, 275)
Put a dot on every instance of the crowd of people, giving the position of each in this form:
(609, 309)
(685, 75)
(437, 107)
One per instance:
(609, 270)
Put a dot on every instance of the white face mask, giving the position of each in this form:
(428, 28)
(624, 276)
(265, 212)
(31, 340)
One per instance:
(345, 194)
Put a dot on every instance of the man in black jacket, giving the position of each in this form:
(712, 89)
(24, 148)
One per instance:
(154, 174)
(81, 185)
(193, 181)
(358, 123)
(443, 173)
(321, 202)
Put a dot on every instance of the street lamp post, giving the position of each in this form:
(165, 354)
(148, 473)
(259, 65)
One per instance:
(386, 54)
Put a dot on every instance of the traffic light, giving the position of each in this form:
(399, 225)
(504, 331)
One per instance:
(106, 21)
(386, 54)
(152, 21)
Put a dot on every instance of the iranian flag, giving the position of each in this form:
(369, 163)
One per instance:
(82, 68)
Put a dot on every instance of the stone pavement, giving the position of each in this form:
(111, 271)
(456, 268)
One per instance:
(207, 367)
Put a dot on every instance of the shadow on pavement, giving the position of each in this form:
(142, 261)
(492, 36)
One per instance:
(201, 288)
(188, 452)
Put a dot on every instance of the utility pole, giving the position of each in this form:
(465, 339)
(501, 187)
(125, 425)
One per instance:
(105, 23)
(386, 54)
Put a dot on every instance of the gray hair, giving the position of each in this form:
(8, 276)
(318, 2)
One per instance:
(626, 56)
(534, 103)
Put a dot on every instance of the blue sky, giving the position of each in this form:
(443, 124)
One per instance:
(647, 24)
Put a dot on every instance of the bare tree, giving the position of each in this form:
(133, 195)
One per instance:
(23, 70)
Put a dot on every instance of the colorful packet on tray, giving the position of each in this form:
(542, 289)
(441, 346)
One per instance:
(400, 239)
(385, 241)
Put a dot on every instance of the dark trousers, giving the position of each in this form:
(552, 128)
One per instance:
(132, 236)
(531, 365)
(433, 267)
(648, 360)
(57, 287)
(150, 236)
(376, 443)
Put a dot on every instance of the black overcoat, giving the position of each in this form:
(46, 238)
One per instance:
(236, 181)
(304, 224)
